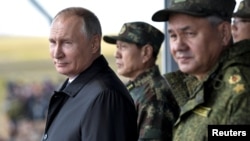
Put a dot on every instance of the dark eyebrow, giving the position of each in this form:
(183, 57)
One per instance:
(181, 29)
(185, 28)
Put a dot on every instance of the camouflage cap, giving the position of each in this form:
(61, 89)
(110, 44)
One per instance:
(243, 10)
(202, 8)
(139, 33)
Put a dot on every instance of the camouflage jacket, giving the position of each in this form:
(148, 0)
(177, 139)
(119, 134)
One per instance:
(222, 98)
(157, 109)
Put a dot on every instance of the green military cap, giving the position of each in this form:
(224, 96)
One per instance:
(140, 33)
(202, 8)
(243, 10)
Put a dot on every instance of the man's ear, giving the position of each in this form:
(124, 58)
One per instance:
(147, 52)
(225, 30)
(95, 43)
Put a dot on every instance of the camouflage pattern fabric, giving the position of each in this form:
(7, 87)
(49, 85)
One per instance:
(222, 98)
(178, 85)
(140, 33)
(157, 109)
(243, 10)
(221, 8)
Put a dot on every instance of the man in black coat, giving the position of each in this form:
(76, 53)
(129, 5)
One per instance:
(92, 104)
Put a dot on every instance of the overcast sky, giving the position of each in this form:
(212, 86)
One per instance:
(21, 17)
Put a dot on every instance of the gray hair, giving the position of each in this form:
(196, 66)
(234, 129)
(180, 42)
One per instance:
(214, 20)
(91, 24)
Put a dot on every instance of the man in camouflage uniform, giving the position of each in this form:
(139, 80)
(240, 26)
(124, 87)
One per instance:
(212, 85)
(241, 22)
(138, 44)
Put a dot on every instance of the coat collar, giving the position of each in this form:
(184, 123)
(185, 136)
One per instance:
(146, 76)
(84, 77)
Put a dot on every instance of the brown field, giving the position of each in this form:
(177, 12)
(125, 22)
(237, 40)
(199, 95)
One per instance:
(28, 58)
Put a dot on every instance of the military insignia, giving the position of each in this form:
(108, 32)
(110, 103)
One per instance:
(234, 79)
(123, 29)
(130, 86)
(239, 88)
(202, 111)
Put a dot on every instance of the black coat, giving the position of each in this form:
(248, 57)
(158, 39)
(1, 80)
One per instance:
(96, 106)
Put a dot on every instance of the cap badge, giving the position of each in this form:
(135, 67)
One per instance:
(123, 29)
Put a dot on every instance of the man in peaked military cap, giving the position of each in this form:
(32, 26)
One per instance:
(138, 45)
(241, 22)
(212, 83)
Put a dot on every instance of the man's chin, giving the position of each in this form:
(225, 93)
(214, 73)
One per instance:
(61, 71)
(121, 73)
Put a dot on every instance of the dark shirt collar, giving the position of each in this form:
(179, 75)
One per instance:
(82, 79)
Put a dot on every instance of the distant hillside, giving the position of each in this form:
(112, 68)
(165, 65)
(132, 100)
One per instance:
(16, 49)
(26, 56)
(27, 59)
